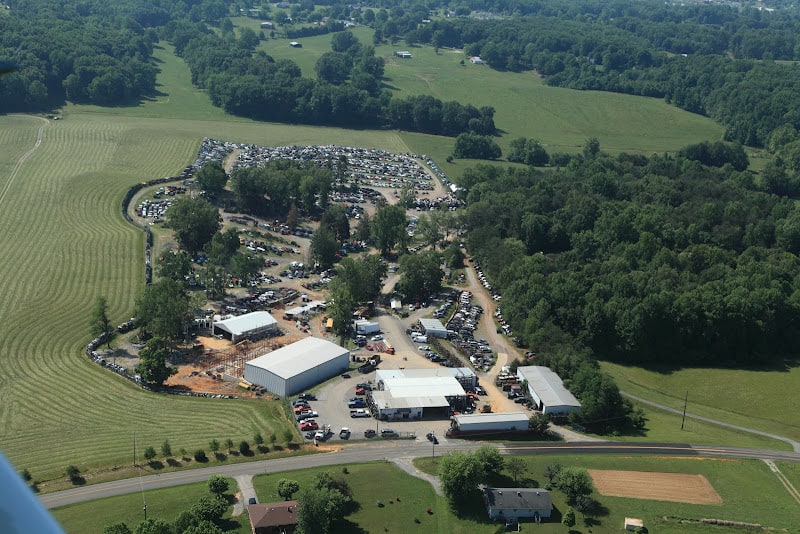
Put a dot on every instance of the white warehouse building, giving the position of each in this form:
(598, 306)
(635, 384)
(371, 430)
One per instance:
(297, 366)
(253, 325)
(547, 391)
(490, 422)
(433, 328)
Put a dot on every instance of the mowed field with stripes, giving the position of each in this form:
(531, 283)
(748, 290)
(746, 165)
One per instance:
(64, 242)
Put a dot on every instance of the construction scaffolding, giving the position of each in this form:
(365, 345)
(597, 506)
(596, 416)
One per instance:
(231, 361)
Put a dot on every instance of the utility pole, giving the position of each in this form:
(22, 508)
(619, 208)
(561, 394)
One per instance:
(685, 401)
(134, 449)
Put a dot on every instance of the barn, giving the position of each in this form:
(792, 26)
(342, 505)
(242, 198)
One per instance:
(253, 325)
(297, 366)
(547, 391)
(490, 422)
(433, 327)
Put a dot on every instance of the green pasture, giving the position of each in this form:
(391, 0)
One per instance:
(665, 427)
(749, 490)
(792, 472)
(562, 119)
(763, 399)
(91, 517)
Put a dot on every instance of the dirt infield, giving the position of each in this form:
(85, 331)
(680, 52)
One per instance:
(673, 487)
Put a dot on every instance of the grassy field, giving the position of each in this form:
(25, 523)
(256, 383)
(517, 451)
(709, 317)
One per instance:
(166, 504)
(404, 497)
(760, 399)
(750, 493)
(561, 119)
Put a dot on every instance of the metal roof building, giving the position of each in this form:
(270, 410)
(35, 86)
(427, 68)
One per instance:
(433, 327)
(250, 325)
(312, 307)
(298, 366)
(547, 390)
(465, 376)
(410, 393)
(490, 422)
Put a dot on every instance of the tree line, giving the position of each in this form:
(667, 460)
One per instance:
(637, 259)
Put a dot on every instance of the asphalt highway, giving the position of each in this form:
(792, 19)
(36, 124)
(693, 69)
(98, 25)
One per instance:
(388, 450)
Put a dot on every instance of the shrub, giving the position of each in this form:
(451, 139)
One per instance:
(200, 455)
(244, 447)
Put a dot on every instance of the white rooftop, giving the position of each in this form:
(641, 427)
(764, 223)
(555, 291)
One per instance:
(383, 374)
(299, 357)
(425, 386)
(385, 400)
(509, 417)
(247, 322)
(305, 308)
(547, 385)
(432, 324)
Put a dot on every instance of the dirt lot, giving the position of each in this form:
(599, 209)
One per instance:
(673, 487)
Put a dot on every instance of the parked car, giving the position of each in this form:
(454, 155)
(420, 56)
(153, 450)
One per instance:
(344, 433)
(359, 413)
(301, 402)
(361, 391)
(252, 500)
(365, 385)
(369, 433)
(345, 375)
(388, 433)
(307, 415)
(356, 403)
(309, 425)
(307, 396)
(377, 338)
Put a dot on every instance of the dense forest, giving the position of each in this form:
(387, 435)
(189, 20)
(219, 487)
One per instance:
(730, 63)
(641, 259)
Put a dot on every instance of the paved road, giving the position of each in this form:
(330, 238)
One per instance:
(795, 445)
(400, 451)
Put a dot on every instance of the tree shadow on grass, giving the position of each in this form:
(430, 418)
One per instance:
(220, 456)
(172, 462)
(77, 480)
(347, 527)
(471, 508)
(155, 464)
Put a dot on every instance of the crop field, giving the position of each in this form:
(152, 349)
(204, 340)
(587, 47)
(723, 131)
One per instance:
(759, 399)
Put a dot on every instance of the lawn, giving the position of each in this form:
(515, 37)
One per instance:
(756, 398)
(404, 498)
(91, 517)
(750, 493)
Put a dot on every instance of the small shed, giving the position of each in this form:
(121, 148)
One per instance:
(476, 60)
(632, 523)
(403, 54)
(295, 44)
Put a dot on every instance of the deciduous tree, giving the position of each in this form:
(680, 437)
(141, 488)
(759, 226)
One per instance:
(212, 177)
(152, 366)
(101, 325)
(460, 473)
(217, 484)
(287, 488)
(194, 221)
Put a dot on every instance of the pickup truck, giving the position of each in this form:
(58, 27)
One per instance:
(359, 413)
(356, 403)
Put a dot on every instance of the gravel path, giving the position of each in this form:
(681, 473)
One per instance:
(407, 465)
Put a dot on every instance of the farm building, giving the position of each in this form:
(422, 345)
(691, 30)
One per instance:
(365, 327)
(295, 44)
(547, 391)
(476, 60)
(267, 26)
(412, 397)
(306, 309)
(632, 523)
(248, 326)
(273, 517)
(297, 366)
(490, 422)
(396, 305)
(433, 327)
(403, 54)
(511, 504)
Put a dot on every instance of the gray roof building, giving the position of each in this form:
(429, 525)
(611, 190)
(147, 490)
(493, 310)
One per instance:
(511, 504)
(547, 390)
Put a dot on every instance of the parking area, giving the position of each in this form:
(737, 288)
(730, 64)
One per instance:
(332, 403)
